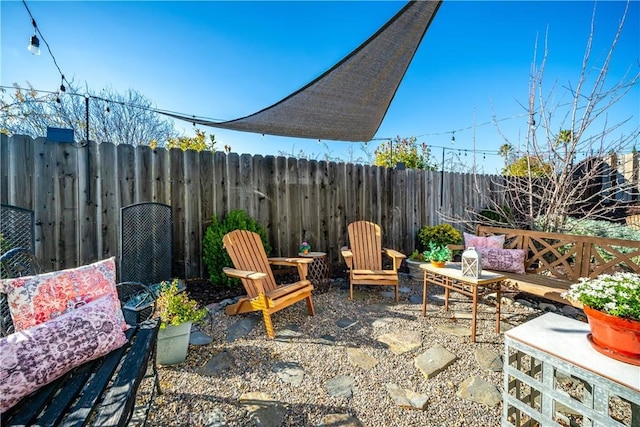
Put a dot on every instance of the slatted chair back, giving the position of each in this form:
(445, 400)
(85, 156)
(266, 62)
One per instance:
(247, 253)
(365, 241)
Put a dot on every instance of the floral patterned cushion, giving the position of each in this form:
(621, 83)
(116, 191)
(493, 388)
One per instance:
(511, 260)
(36, 299)
(34, 357)
(496, 242)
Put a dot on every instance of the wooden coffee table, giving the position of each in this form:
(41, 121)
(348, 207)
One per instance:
(451, 279)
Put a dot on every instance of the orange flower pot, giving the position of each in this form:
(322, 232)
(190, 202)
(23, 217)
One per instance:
(439, 264)
(613, 336)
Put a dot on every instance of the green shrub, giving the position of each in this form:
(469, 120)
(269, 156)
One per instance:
(500, 215)
(214, 254)
(441, 234)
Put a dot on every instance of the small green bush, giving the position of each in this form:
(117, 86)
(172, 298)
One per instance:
(215, 256)
(441, 234)
(500, 215)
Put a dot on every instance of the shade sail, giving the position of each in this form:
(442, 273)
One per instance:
(349, 101)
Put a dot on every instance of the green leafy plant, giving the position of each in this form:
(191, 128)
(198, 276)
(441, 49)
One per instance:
(617, 294)
(441, 234)
(439, 253)
(175, 308)
(417, 256)
(304, 246)
(215, 256)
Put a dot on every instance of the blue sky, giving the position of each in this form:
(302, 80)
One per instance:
(225, 60)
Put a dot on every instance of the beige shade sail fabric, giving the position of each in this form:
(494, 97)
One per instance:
(349, 101)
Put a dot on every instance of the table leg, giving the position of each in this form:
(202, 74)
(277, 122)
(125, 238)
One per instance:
(498, 302)
(424, 295)
(446, 293)
(474, 313)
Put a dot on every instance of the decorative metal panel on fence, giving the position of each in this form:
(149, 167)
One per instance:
(146, 244)
(76, 193)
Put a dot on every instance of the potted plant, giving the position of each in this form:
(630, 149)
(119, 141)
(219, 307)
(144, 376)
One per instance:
(304, 248)
(438, 254)
(176, 312)
(413, 263)
(612, 306)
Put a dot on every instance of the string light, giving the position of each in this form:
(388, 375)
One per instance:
(453, 137)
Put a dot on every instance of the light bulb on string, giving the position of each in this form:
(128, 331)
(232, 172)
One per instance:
(453, 137)
(34, 43)
(62, 88)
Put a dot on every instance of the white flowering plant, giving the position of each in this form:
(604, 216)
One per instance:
(617, 294)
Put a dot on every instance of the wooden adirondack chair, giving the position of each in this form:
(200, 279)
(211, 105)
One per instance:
(364, 258)
(253, 269)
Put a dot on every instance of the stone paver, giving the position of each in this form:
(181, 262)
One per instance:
(479, 390)
(242, 328)
(407, 398)
(342, 420)
(434, 361)
(360, 359)
(199, 338)
(289, 372)
(263, 410)
(218, 364)
(340, 386)
(459, 331)
(488, 359)
(401, 341)
(346, 322)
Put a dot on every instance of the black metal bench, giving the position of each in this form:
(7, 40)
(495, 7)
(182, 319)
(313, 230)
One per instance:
(101, 392)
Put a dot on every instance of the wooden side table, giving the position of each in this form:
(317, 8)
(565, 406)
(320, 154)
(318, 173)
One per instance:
(451, 279)
(318, 272)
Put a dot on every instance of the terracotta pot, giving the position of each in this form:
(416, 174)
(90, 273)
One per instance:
(613, 336)
(439, 264)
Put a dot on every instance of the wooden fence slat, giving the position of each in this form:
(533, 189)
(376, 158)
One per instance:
(110, 202)
(176, 162)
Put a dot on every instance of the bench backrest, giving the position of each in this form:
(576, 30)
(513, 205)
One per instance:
(568, 256)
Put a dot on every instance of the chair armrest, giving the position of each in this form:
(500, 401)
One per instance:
(301, 263)
(348, 256)
(456, 247)
(393, 253)
(243, 274)
(289, 261)
(397, 257)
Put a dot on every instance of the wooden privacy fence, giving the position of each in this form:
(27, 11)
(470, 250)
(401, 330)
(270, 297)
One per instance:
(77, 192)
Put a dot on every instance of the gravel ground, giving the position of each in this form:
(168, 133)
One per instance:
(190, 398)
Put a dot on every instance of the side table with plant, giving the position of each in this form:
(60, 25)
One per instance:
(438, 254)
(176, 312)
(612, 306)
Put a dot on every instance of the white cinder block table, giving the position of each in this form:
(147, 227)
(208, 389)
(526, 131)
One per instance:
(551, 373)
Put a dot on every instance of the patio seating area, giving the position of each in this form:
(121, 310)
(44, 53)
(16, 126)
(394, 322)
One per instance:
(365, 360)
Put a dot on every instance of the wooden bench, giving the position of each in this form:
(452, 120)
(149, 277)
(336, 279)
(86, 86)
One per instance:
(554, 261)
(101, 392)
